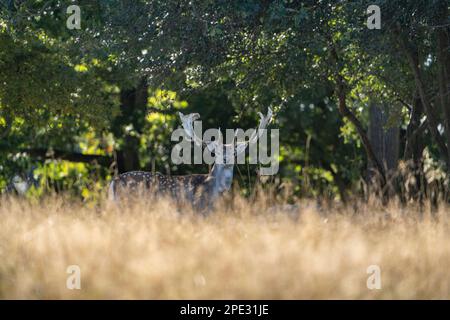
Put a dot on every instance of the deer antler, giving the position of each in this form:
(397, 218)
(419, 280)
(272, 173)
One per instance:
(263, 122)
(188, 125)
(187, 122)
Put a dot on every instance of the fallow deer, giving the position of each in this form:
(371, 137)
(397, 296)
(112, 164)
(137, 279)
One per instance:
(198, 189)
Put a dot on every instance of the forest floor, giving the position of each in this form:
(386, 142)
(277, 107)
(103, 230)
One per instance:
(149, 251)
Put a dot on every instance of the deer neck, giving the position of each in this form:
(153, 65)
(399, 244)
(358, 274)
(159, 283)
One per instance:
(221, 178)
(214, 176)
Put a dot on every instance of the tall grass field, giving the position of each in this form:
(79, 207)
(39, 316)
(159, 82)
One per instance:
(239, 251)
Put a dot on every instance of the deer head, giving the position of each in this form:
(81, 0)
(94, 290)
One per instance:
(222, 171)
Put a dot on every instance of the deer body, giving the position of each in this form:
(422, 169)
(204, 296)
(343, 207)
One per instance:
(191, 188)
(197, 189)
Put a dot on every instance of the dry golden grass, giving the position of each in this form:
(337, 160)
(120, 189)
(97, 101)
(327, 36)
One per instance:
(149, 251)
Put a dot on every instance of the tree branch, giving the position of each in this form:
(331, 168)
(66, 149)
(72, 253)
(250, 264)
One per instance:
(168, 111)
(431, 119)
(346, 112)
(443, 77)
(42, 153)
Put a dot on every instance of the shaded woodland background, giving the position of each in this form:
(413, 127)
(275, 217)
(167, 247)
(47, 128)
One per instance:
(360, 111)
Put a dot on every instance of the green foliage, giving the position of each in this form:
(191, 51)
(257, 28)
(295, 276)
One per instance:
(64, 89)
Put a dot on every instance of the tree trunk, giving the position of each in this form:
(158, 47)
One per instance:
(385, 142)
(133, 111)
(414, 145)
(345, 112)
(128, 157)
